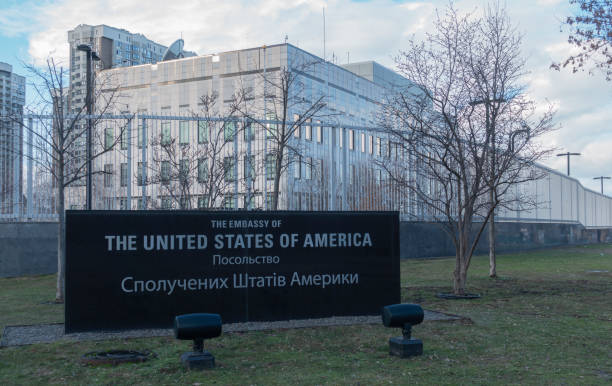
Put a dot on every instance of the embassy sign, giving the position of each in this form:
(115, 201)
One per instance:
(139, 269)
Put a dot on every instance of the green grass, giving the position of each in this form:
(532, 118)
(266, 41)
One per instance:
(546, 320)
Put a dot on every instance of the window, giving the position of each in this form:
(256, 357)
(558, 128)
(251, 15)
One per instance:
(124, 140)
(123, 204)
(248, 131)
(271, 128)
(184, 171)
(165, 172)
(228, 201)
(124, 174)
(185, 202)
(141, 137)
(202, 170)
(363, 142)
(351, 139)
(352, 175)
(165, 134)
(297, 168)
(109, 135)
(249, 166)
(108, 175)
(142, 173)
(166, 202)
(308, 170)
(378, 176)
(249, 202)
(319, 132)
(270, 166)
(296, 131)
(184, 132)
(228, 169)
(269, 199)
(308, 130)
(229, 131)
(370, 144)
(202, 131)
(378, 146)
(320, 169)
(202, 201)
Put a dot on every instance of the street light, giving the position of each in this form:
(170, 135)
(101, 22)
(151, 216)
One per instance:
(89, 104)
(601, 178)
(514, 134)
(568, 155)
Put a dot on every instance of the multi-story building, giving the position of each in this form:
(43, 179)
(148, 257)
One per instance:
(115, 47)
(334, 157)
(12, 100)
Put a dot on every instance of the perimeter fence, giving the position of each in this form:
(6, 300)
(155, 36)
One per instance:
(183, 162)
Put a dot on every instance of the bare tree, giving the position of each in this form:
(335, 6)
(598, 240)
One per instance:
(58, 136)
(591, 33)
(207, 168)
(463, 150)
(288, 108)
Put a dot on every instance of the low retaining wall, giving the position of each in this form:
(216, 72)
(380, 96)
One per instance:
(28, 249)
(419, 239)
(31, 248)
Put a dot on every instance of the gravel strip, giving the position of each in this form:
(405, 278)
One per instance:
(48, 333)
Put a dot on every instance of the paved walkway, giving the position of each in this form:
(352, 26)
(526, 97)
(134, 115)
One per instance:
(47, 333)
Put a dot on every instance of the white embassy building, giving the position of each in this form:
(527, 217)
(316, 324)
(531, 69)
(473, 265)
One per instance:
(335, 153)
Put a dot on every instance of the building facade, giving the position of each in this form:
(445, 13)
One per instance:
(115, 47)
(180, 106)
(12, 101)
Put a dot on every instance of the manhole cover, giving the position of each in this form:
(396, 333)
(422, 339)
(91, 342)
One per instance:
(452, 296)
(114, 357)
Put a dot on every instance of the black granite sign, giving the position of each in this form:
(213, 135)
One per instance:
(139, 269)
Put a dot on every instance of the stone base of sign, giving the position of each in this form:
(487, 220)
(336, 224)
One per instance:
(405, 348)
(198, 360)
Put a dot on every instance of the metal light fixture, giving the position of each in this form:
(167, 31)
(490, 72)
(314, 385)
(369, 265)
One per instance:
(91, 55)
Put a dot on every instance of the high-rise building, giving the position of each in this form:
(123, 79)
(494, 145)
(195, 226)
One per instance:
(116, 48)
(12, 100)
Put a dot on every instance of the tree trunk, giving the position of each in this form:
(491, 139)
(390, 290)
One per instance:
(460, 273)
(492, 258)
(459, 277)
(277, 176)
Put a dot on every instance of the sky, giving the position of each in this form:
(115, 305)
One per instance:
(32, 30)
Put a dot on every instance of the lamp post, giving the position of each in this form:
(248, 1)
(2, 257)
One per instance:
(601, 178)
(568, 155)
(514, 134)
(89, 104)
(492, 193)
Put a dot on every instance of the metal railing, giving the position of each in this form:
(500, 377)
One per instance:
(166, 162)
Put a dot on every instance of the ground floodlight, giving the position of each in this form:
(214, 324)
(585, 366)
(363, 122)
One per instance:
(197, 327)
(403, 316)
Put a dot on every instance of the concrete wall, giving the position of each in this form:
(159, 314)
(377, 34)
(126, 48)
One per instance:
(31, 248)
(419, 239)
(28, 249)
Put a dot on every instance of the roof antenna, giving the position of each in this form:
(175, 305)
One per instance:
(324, 58)
(348, 57)
(286, 38)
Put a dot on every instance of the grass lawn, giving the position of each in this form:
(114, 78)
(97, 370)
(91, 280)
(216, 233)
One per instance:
(546, 320)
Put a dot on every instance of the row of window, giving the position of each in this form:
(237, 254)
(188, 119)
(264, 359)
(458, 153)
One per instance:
(229, 171)
(369, 143)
